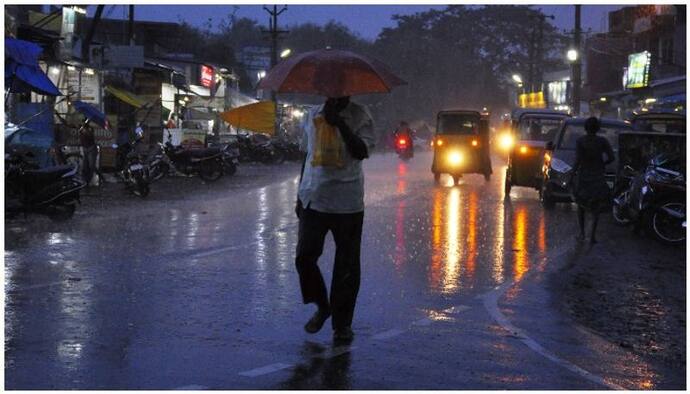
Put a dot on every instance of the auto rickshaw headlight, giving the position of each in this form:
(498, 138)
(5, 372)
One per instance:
(455, 158)
(506, 141)
(475, 143)
(439, 142)
(524, 150)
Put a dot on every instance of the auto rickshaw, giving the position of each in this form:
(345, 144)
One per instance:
(531, 130)
(461, 145)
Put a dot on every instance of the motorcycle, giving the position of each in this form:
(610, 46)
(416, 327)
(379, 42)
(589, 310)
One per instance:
(209, 163)
(256, 149)
(289, 149)
(404, 147)
(653, 199)
(51, 191)
(158, 163)
(134, 169)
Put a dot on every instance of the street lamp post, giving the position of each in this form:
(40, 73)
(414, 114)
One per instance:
(576, 63)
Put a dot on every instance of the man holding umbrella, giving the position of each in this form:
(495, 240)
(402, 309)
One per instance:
(338, 135)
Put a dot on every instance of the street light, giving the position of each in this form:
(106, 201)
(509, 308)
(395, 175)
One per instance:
(517, 79)
(572, 55)
(285, 53)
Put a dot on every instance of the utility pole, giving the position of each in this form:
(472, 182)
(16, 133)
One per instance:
(577, 64)
(274, 35)
(530, 73)
(130, 26)
(539, 69)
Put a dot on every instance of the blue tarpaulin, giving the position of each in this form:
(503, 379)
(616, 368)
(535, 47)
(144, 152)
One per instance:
(22, 72)
(92, 113)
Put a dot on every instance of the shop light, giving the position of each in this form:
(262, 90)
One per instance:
(602, 99)
(54, 70)
(285, 53)
(79, 10)
(71, 68)
(261, 74)
(89, 71)
(650, 100)
(297, 113)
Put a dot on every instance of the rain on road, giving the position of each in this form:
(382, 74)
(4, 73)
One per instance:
(202, 293)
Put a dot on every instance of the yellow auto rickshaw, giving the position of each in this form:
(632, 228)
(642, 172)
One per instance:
(461, 145)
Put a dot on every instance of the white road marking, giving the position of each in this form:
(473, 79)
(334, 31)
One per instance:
(192, 387)
(340, 350)
(394, 332)
(491, 304)
(252, 373)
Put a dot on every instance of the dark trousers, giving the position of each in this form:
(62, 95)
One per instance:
(89, 163)
(347, 233)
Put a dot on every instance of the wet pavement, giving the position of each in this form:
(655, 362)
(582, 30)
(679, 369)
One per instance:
(196, 288)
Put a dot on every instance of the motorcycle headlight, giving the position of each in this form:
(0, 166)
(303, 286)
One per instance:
(559, 165)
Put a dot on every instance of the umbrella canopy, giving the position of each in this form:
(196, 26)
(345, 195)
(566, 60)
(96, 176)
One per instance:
(22, 73)
(92, 113)
(259, 117)
(330, 73)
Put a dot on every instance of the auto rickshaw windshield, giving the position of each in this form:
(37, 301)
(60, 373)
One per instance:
(573, 132)
(458, 124)
(539, 128)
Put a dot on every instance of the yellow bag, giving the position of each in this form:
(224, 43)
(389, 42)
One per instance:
(328, 146)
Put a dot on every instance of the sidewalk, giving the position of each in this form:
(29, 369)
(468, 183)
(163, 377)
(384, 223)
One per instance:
(630, 290)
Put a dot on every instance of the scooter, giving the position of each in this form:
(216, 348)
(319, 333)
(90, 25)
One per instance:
(404, 147)
(654, 200)
(51, 191)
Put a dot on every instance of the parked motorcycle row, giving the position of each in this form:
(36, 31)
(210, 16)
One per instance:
(54, 191)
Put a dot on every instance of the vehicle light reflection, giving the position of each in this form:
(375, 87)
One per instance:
(451, 273)
(520, 258)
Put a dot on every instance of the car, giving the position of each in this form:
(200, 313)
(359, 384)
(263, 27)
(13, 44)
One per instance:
(531, 130)
(461, 145)
(659, 121)
(560, 157)
(29, 140)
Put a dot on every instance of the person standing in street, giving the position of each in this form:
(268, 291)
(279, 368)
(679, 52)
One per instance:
(591, 190)
(87, 140)
(337, 137)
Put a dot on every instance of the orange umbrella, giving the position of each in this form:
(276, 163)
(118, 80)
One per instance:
(331, 73)
(259, 117)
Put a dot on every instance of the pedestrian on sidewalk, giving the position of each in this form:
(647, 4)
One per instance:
(337, 137)
(591, 191)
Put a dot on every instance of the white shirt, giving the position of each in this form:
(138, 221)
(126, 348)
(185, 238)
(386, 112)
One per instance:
(336, 189)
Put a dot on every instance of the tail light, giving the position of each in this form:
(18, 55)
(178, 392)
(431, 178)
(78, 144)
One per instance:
(402, 141)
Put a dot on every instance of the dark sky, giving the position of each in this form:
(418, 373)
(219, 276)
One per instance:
(364, 19)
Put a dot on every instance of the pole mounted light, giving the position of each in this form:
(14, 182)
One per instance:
(517, 78)
(572, 55)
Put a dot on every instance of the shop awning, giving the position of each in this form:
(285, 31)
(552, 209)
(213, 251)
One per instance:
(22, 73)
(259, 117)
(127, 97)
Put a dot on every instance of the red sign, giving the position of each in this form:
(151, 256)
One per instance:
(206, 78)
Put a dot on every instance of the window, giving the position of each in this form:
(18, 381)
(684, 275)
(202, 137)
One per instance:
(458, 124)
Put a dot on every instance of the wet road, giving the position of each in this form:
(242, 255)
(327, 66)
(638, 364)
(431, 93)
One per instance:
(202, 293)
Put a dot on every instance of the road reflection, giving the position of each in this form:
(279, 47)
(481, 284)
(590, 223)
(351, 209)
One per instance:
(464, 253)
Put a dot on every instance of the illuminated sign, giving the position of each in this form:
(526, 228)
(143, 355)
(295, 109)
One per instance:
(206, 77)
(638, 70)
(558, 92)
(531, 100)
